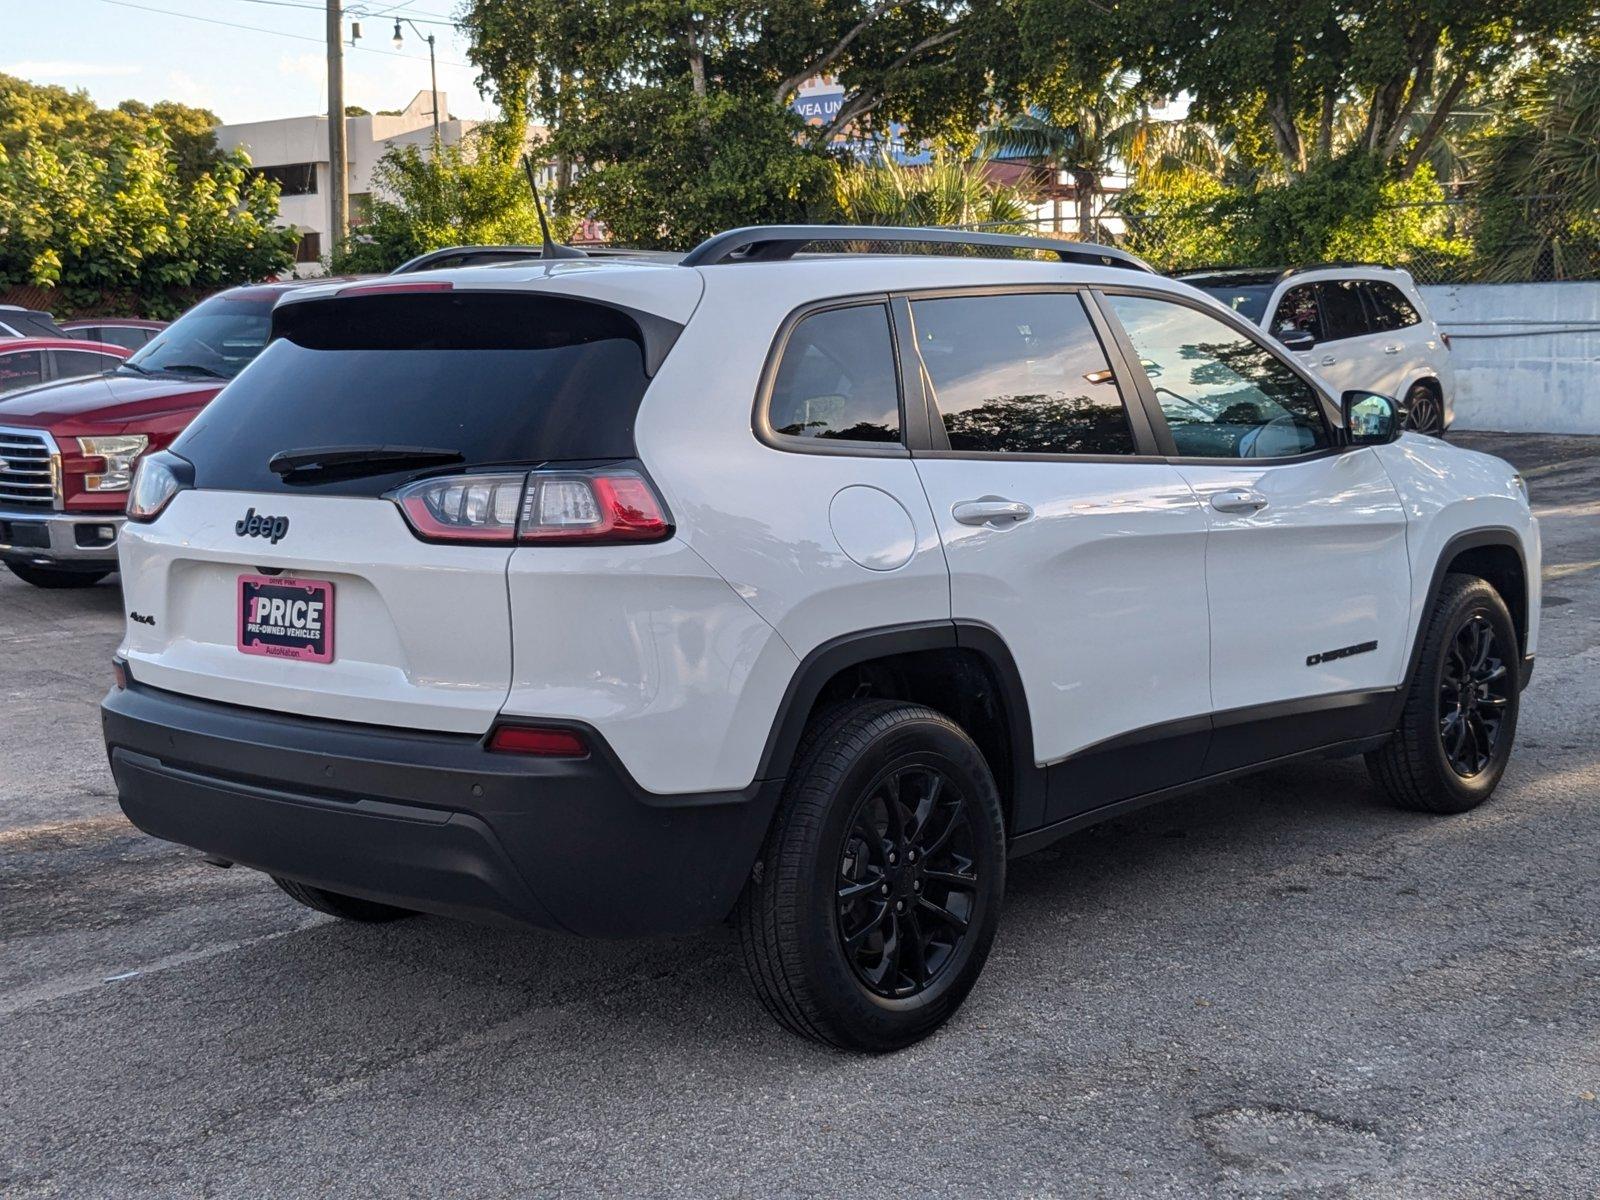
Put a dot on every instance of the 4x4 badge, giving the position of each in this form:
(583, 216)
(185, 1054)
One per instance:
(252, 525)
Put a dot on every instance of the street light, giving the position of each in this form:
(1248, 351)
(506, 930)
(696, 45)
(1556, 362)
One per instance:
(433, 71)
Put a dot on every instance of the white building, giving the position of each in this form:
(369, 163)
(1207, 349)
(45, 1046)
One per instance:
(294, 152)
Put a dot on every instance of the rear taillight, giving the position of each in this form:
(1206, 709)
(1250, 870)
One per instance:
(156, 480)
(603, 505)
(545, 741)
(464, 508)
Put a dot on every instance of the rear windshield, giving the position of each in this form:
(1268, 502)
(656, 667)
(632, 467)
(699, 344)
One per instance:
(1248, 300)
(495, 378)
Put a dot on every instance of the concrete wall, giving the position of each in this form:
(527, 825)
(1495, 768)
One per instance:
(1526, 355)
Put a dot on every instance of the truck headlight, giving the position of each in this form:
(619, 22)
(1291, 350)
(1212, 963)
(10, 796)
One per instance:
(118, 453)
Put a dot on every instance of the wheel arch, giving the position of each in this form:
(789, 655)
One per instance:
(963, 670)
(1494, 555)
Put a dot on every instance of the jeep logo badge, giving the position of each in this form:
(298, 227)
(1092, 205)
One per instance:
(254, 525)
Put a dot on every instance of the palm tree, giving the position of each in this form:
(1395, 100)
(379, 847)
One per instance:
(1539, 176)
(1088, 137)
(948, 191)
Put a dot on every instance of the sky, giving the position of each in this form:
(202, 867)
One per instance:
(160, 50)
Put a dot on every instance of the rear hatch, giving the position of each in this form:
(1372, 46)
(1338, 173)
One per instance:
(287, 576)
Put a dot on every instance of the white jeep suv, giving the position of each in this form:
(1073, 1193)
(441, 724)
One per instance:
(1357, 325)
(803, 589)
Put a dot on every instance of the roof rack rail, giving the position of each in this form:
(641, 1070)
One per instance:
(772, 243)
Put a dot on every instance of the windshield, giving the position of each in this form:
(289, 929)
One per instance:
(216, 339)
(1248, 300)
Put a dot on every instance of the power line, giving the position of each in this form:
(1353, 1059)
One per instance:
(428, 19)
(299, 37)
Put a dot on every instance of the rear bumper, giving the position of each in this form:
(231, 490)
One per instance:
(63, 540)
(432, 822)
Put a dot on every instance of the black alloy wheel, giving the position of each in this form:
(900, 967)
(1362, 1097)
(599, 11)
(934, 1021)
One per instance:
(873, 905)
(1458, 722)
(1474, 693)
(908, 881)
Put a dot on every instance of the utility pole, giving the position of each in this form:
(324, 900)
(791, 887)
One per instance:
(338, 159)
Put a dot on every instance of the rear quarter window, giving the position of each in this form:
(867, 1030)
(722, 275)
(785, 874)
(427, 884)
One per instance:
(836, 379)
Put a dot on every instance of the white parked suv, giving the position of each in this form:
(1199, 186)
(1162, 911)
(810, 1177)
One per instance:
(621, 597)
(1358, 325)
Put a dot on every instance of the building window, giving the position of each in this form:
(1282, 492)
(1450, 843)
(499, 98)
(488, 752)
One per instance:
(293, 179)
(310, 248)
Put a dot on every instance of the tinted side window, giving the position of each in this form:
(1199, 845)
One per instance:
(1023, 374)
(1389, 306)
(81, 362)
(837, 378)
(1298, 310)
(21, 370)
(1223, 395)
(1342, 311)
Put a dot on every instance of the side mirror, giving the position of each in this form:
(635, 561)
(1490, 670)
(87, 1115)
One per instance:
(1298, 340)
(1370, 419)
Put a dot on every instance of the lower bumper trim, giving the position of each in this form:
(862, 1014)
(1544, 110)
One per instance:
(433, 822)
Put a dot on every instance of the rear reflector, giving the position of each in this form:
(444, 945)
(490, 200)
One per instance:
(527, 739)
(119, 673)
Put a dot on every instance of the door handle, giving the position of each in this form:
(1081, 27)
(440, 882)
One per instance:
(1239, 501)
(991, 510)
(1391, 349)
(1328, 360)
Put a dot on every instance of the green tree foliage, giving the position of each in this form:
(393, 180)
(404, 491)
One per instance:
(1343, 210)
(470, 193)
(1319, 79)
(49, 115)
(1539, 175)
(118, 213)
(1090, 132)
(672, 120)
(952, 190)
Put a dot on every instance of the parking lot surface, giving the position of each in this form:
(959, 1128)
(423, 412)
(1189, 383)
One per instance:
(1273, 987)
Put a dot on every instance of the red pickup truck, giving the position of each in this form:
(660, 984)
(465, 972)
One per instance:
(67, 448)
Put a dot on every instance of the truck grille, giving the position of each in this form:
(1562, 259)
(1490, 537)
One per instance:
(28, 467)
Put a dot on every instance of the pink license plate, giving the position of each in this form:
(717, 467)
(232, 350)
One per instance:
(286, 618)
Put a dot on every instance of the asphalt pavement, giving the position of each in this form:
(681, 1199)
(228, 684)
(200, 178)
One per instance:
(1278, 987)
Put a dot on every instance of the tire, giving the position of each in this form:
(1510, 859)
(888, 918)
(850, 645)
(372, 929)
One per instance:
(839, 841)
(1460, 715)
(1425, 410)
(46, 577)
(350, 908)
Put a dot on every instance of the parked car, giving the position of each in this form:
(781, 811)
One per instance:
(618, 598)
(19, 322)
(30, 361)
(1357, 325)
(68, 447)
(130, 332)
